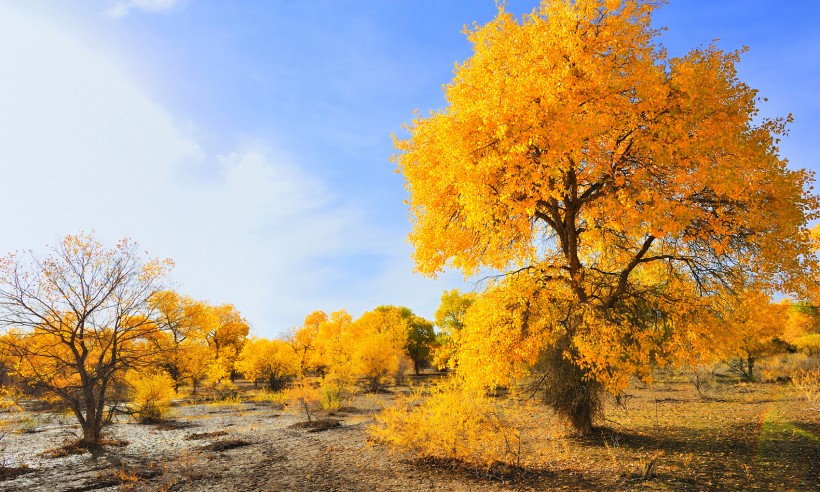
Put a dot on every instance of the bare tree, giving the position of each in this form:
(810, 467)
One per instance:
(78, 318)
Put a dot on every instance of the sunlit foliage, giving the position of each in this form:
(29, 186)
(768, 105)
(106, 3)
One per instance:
(84, 315)
(151, 394)
(272, 361)
(615, 187)
(455, 423)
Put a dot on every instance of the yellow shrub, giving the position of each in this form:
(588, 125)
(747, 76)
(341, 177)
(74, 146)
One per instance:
(302, 397)
(151, 394)
(333, 395)
(808, 344)
(452, 423)
(808, 382)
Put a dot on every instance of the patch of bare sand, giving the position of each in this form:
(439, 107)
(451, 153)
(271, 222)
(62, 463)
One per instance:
(230, 447)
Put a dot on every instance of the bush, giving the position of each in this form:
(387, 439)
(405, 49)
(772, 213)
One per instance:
(225, 391)
(455, 424)
(333, 395)
(808, 382)
(302, 397)
(151, 395)
(782, 367)
(808, 344)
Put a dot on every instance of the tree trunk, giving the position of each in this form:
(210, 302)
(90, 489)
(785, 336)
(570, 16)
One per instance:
(566, 388)
(92, 426)
(750, 365)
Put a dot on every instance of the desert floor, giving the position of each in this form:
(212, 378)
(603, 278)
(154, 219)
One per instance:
(667, 437)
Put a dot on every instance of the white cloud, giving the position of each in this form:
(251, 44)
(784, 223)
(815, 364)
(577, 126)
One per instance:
(81, 148)
(122, 8)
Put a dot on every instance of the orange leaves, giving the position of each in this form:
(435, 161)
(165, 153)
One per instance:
(271, 360)
(628, 187)
(575, 109)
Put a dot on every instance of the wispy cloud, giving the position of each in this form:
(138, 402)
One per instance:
(82, 148)
(122, 8)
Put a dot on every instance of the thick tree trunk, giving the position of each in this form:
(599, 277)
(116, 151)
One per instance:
(566, 388)
(584, 409)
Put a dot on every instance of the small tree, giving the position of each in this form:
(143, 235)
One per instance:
(176, 316)
(753, 325)
(84, 313)
(270, 360)
(450, 317)
(151, 393)
(303, 341)
(421, 340)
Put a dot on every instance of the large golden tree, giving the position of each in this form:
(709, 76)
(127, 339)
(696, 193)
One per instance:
(613, 187)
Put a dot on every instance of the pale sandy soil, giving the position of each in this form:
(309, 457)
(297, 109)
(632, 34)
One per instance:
(745, 437)
(276, 458)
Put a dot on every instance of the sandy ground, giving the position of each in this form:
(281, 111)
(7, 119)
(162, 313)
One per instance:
(273, 457)
(756, 437)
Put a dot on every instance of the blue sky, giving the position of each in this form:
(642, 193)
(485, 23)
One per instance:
(250, 141)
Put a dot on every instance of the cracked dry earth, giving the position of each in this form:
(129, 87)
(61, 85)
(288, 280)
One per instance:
(228, 447)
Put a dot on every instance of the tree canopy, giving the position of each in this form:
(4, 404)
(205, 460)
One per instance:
(614, 187)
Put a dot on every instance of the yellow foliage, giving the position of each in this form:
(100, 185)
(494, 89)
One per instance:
(809, 344)
(333, 395)
(333, 355)
(303, 340)
(456, 423)
(151, 394)
(617, 188)
(376, 360)
(271, 360)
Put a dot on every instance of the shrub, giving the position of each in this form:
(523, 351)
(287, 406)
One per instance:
(226, 392)
(808, 344)
(808, 382)
(151, 395)
(302, 397)
(333, 395)
(455, 424)
(782, 367)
